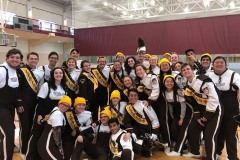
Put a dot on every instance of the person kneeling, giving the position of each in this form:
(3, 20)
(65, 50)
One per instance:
(121, 149)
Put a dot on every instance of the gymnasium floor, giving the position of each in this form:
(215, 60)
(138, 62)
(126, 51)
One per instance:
(159, 155)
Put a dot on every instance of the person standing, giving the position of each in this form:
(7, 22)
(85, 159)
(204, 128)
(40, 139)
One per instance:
(9, 84)
(102, 75)
(203, 96)
(29, 80)
(228, 82)
(52, 59)
(87, 85)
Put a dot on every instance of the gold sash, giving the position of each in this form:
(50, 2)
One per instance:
(144, 89)
(117, 114)
(112, 147)
(200, 100)
(93, 79)
(125, 91)
(72, 120)
(117, 81)
(100, 77)
(135, 116)
(70, 82)
(31, 79)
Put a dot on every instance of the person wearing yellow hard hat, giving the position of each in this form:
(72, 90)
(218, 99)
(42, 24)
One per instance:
(53, 132)
(78, 124)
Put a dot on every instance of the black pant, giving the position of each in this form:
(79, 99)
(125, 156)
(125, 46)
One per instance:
(228, 132)
(32, 152)
(6, 133)
(179, 133)
(126, 155)
(26, 122)
(211, 135)
(92, 150)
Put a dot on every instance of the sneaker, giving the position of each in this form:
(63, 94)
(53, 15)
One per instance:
(16, 149)
(173, 154)
(190, 155)
(167, 150)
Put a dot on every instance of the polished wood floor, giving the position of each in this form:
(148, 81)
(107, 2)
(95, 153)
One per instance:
(158, 155)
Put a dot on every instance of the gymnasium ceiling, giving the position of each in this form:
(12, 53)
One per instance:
(94, 13)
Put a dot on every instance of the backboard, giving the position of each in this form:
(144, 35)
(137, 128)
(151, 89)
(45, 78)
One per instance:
(7, 39)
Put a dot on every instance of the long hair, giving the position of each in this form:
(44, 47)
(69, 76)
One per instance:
(127, 67)
(51, 81)
(175, 89)
(144, 68)
(115, 72)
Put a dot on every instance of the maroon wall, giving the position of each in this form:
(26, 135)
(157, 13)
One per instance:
(212, 34)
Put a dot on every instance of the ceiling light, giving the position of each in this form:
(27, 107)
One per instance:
(206, 3)
(186, 9)
(147, 14)
(161, 9)
(232, 5)
(105, 4)
(124, 13)
(152, 2)
(134, 5)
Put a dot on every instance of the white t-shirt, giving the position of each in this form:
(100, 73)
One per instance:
(46, 71)
(54, 94)
(57, 118)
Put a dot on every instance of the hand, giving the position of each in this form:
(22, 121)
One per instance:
(20, 109)
(39, 118)
(126, 137)
(145, 103)
(154, 137)
(180, 122)
(47, 117)
(192, 58)
(203, 119)
(80, 139)
(73, 133)
(200, 122)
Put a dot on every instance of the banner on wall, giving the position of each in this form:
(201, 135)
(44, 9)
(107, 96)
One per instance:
(215, 35)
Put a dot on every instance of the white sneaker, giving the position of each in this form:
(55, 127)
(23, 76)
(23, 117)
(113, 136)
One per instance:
(173, 154)
(167, 150)
(190, 155)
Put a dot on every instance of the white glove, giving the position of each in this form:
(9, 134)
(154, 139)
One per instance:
(154, 137)
(134, 137)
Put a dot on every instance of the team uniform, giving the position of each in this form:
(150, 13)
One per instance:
(131, 74)
(116, 81)
(29, 82)
(9, 84)
(50, 142)
(228, 83)
(101, 92)
(64, 65)
(202, 94)
(99, 150)
(80, 124)
(71, 82)
(156, 70)
(87, 85)
(177, 109)
(121, 150)
(48, 98)
(46, 71)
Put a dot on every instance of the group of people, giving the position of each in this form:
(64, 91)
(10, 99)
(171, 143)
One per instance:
(113, 112)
